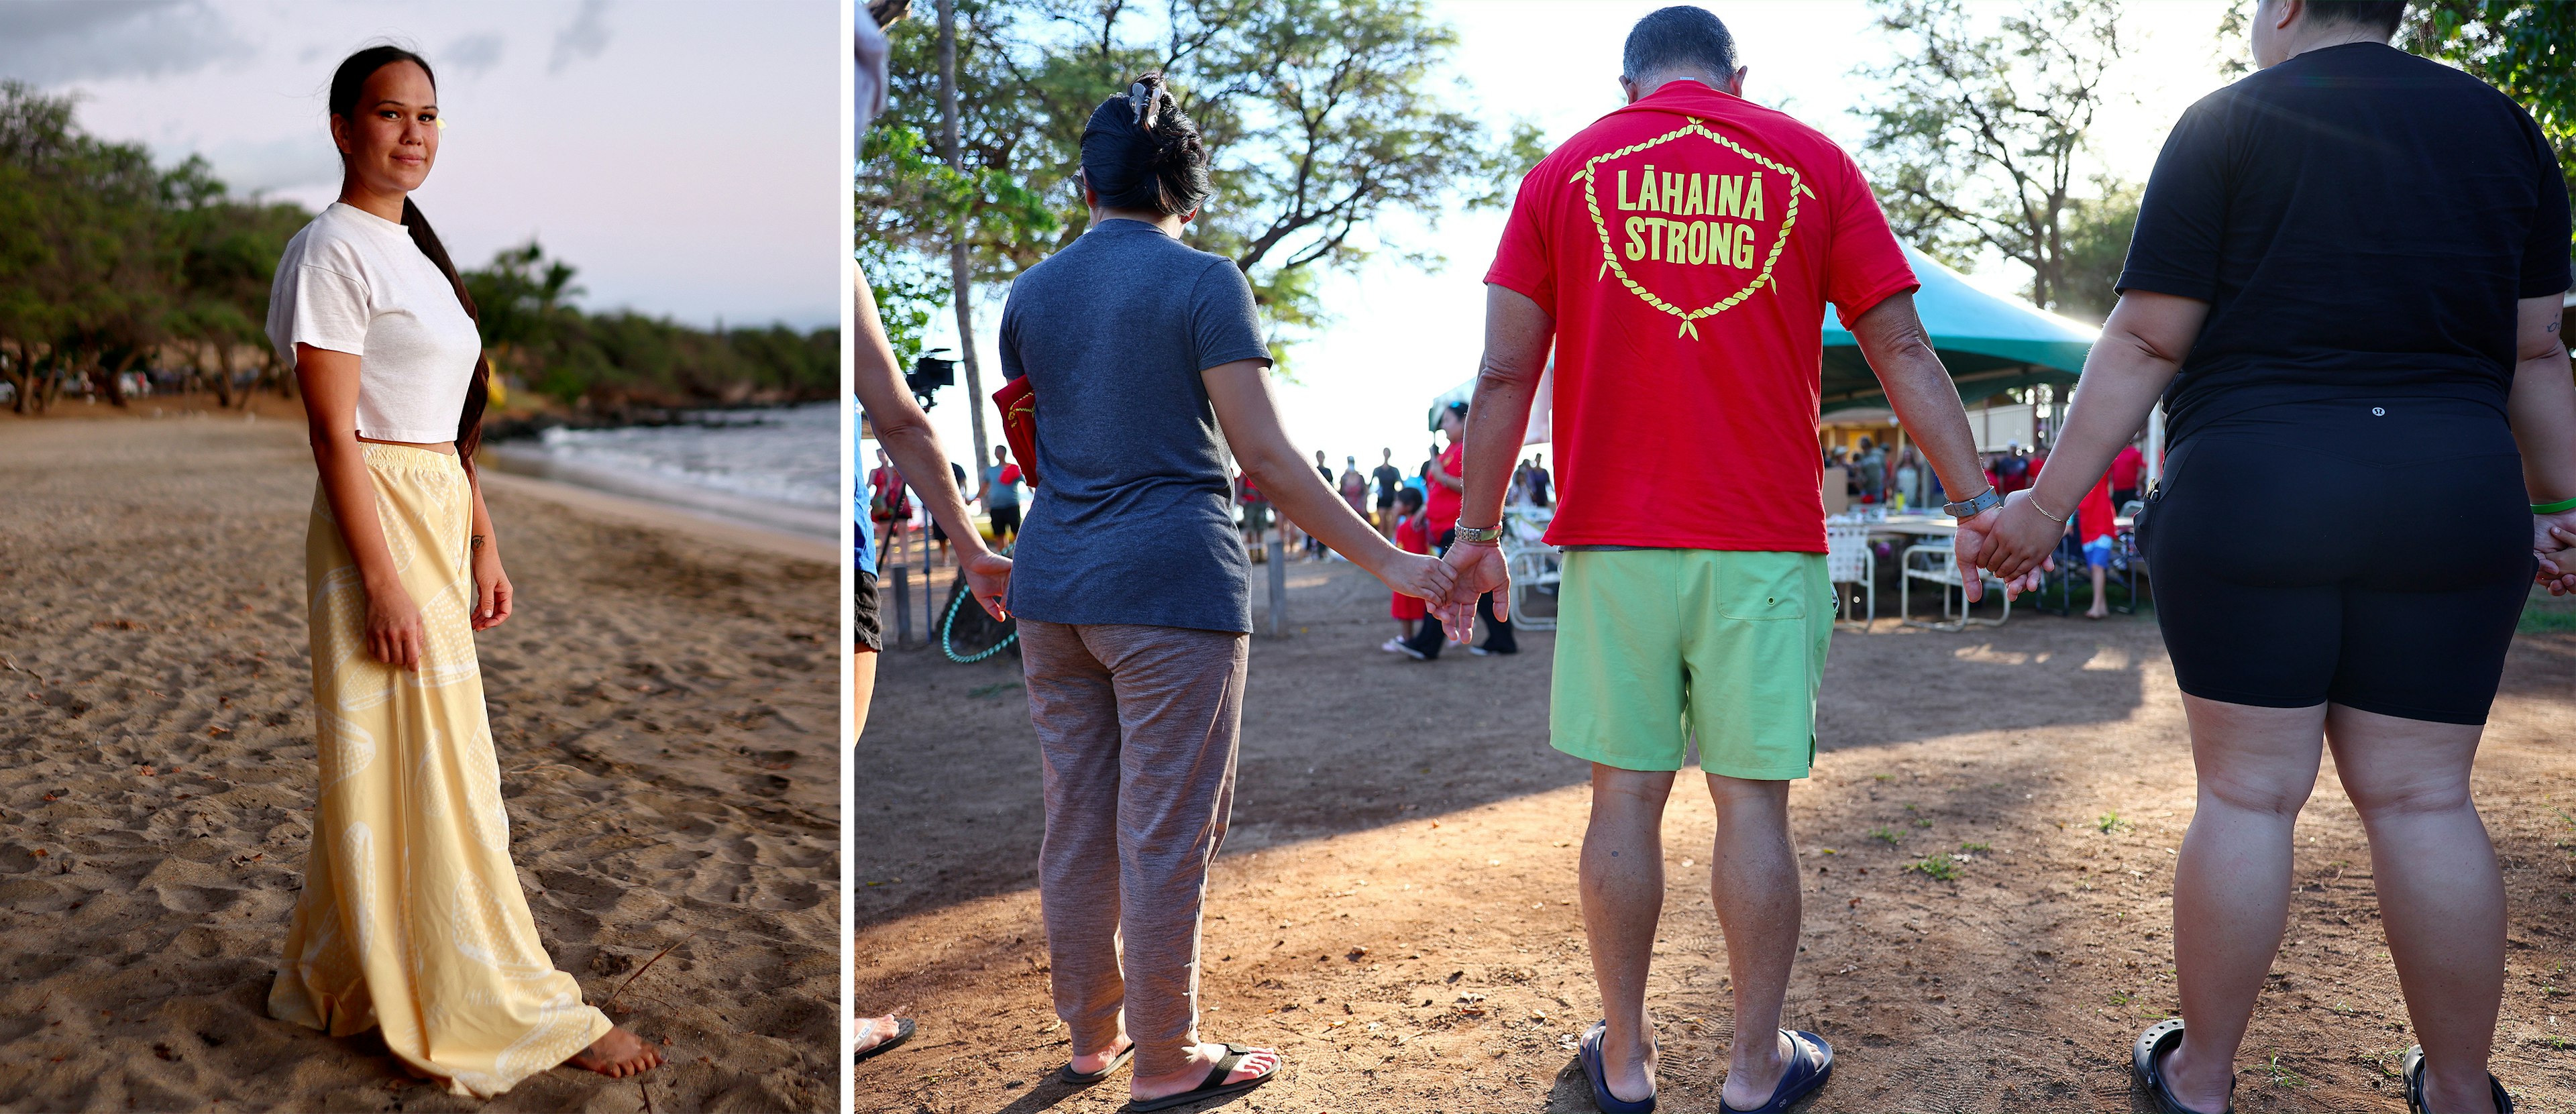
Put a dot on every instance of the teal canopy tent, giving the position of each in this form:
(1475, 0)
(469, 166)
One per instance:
(1989, 344)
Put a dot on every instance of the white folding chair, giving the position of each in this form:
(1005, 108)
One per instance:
(1937, 561)
(1535, 566)
(1849, 560)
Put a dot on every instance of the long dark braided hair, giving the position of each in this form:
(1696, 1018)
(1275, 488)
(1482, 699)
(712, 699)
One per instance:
(346, 82)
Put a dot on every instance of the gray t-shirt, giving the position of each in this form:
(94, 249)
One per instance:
(1135, 526)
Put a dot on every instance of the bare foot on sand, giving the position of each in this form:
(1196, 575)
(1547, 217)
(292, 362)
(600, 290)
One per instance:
(617, 1055)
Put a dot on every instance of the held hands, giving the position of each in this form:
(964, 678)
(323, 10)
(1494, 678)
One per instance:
(493, 595)
(988, 575)
(2012, 542)
(393, 627)
(1477, 569)
(2553, 540)
(1421, 576)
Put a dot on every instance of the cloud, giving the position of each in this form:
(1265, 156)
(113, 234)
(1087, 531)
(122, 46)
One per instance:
(472, 54)
(583, 38)
(50, 42)
(274, 165)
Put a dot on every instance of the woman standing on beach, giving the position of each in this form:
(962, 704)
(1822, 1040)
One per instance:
(410, 920)
(1133, 591)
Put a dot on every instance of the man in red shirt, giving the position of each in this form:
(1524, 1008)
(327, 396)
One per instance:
(1678, 256)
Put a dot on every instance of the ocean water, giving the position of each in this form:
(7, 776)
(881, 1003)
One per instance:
(777, 468)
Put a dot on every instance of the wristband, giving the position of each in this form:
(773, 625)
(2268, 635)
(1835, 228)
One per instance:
(1478, 535)
(2554, 508)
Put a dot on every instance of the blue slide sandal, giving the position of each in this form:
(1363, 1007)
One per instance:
(1811, 1062)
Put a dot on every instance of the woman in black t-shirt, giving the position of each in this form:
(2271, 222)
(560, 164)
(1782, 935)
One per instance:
(2345, 285)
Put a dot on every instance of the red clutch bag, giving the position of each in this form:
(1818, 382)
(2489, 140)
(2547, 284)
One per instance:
(1019, 405)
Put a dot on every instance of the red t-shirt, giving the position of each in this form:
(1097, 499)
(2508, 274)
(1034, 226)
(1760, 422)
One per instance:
(1440, 501)
(2095, 517)
(2126, 468)
(1689, 310)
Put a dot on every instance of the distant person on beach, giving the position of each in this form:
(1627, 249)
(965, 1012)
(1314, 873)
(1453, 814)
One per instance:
(1134, 596)
(2373, 458)
(1411, 538)
(1002, 495)
(1440, 515)
(1694, 600)
(1542, 485)
(1388, 478)
(410, 920)
(904, 430)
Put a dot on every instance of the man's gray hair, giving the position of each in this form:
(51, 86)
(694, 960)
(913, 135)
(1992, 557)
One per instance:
(1680, 38)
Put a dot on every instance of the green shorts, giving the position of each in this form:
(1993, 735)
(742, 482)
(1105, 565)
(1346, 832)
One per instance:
(1655, 646)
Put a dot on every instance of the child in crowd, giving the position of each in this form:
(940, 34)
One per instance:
(1411, 537)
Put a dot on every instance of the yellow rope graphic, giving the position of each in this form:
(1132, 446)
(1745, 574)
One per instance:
(1610, 256)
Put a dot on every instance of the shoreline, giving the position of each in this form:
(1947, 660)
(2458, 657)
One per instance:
(741, 520)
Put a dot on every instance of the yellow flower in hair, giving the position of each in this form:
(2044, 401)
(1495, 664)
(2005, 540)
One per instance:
(441, 121)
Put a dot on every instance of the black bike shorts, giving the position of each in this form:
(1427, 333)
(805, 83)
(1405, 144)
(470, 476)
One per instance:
(2374, 553)
(867, 629)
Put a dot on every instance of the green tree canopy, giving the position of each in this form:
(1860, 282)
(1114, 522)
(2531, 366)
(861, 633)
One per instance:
(1322, 118)
(1981, 138)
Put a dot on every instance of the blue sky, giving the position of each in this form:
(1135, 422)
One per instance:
(686, 156)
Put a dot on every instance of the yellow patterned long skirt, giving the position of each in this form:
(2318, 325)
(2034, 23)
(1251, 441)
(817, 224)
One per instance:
(411, 919)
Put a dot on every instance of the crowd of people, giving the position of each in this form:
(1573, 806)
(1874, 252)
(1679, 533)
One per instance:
(2323, 376)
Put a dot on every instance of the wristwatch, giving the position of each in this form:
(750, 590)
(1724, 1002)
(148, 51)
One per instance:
(1985, 501)
(1479, 535)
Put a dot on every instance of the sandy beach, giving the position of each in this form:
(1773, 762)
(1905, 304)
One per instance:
(1394, 910)
(664, 702)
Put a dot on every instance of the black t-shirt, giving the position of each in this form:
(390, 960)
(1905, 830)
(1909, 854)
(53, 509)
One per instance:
(2361, 222)
(1388, 479)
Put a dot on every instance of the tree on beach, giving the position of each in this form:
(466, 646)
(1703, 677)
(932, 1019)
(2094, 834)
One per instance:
(1323, 119)
(1980, 140)
(227, 252)
(82, 265)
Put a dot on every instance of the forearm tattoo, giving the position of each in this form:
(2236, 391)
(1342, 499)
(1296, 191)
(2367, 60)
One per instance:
(477, 544)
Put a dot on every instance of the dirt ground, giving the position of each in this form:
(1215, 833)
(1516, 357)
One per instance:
(1394, 908)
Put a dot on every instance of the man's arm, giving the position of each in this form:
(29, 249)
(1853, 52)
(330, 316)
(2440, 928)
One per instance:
(1918, 388)
(1518, 336)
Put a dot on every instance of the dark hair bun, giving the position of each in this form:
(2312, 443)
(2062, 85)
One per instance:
(1140, 152)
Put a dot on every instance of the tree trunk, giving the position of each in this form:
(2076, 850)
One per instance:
(116, 378)
(223, 375)
(960, 275)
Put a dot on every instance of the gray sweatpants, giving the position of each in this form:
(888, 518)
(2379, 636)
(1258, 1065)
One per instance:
(1138, 727)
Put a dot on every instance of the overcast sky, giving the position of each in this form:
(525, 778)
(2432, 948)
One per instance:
(1403, 335)
(685, 156)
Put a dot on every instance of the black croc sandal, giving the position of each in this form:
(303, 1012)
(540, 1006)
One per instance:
(1214, 1088)
(2414, 1070)
(1071, 1078)
(2146, 1061)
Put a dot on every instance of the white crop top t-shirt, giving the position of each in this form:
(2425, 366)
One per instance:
(354, 282)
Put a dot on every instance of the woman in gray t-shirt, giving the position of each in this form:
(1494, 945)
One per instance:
(1132, 590)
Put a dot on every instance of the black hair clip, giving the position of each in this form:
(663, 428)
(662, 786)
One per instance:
(1144, 96)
